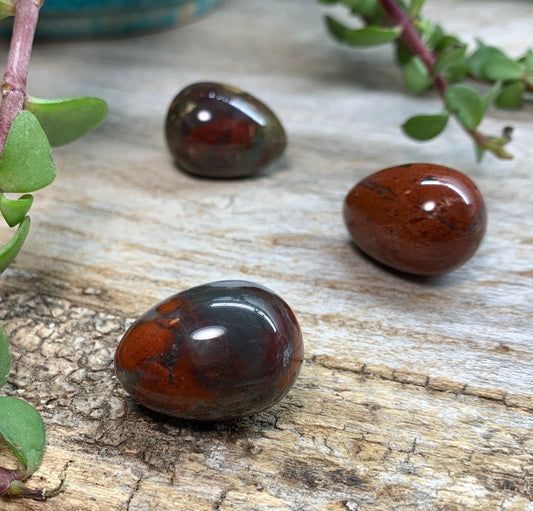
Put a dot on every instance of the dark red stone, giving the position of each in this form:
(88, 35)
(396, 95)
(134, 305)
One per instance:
(216, 130)
(218, 351)
(418, 218)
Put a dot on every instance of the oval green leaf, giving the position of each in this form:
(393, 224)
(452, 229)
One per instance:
(415, 7)
(10, 250)
(446, 42)
(15, 210)
(501, 67)
(527, 59)
(425, 127)
(22, 428)
(450, 59)
(511, 96)
(492, 94)
(435, 36)
(367, 9)
(26, 163)
(67, 119)
(415, 76)
(7, 8)
(5, 357)
(466, 103)
(368, 36)
(477, 61)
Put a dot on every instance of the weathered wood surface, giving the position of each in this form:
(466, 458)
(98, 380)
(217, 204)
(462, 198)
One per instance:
(415, 394)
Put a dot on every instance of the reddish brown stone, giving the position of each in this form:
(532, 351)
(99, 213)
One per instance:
(216, 130)
(217, 351)
(418, 218)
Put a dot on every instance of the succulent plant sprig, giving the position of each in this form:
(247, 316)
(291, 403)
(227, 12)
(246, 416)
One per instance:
(431, 58)
(29, 126)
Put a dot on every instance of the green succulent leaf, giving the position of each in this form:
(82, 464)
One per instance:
(22, 428)
(15, 210)
(403, 53)
(492, 94)
(446, 42)
(527, 59)
(368, 9)
(425, 127)
(466, 103)
(7, 8)
(10, 250)
(415, 7)
(26, 163)
(511, 96)
(5, 357)
(478, 60)
(368, 36)
(415, 75)
(450, 59)
(67, 119)
(501, 67)
(480, 152)
(435, 36)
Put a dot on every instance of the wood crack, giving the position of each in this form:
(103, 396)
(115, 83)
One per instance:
(134, 491)
(435, 384)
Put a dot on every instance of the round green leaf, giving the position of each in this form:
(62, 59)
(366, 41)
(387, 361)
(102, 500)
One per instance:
(527, 59)
(501, 67)
(403, 53)
(446, 42)
(26, 163)
(510, 96)
(435, 36)
(450, 59)
(367, 9)
(14, 211)
(466, 103)
(5, 357)
(368, 36)
(10, 250)
(7, 8)
(424, 127)
(415, 76)
(67, 119)
(492, 94)
(22, 428)
(477, 61)
(415, 7)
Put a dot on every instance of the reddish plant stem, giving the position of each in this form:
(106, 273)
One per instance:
(16, 72)
(411, 38)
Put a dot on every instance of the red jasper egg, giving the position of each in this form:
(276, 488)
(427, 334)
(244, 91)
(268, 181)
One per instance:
(419, 218)
(217, 351)
(219, 131)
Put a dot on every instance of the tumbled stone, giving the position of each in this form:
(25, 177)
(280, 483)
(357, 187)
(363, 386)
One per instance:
(217, 351)
(419, 218)
(216, 130)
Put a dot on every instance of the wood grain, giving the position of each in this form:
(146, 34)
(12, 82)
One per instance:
(415, 394)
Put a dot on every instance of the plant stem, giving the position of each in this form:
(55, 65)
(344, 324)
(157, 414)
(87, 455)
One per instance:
(411, 38)
(14, 82)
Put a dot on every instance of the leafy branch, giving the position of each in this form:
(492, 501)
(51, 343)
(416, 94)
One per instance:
(28, 128)
(431, 58)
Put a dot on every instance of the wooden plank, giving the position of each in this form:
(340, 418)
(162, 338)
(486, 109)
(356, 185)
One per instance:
(415, 394)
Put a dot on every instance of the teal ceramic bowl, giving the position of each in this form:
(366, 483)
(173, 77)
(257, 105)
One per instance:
(93, 18)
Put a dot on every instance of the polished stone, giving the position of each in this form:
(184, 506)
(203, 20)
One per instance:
(420, 218)
(216, 130)
(218, 351)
